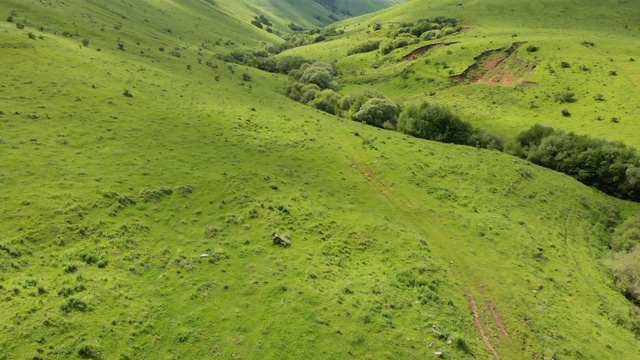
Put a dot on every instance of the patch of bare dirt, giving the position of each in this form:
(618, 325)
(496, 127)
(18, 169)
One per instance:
(500, 66)
(423, 49)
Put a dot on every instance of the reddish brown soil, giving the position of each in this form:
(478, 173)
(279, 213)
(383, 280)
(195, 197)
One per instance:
(499, 66)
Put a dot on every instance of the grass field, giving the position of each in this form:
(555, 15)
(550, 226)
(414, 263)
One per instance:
(121, 168)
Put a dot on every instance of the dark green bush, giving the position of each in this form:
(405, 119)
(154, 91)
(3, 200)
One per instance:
(609, 166)
(89, 352)
(256, 23)
(434, 122)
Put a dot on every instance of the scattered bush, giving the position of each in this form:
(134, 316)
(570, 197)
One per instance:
(74, 304)
(246, 77)
(532, 48)
(295, 27)
(89, 352)
(568, 97)
(256, 23)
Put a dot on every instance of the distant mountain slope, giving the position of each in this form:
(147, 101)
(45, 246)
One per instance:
(358, 7)
(319, 12)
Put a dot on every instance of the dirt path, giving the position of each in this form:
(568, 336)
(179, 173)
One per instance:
(476, 316)
(497, 319)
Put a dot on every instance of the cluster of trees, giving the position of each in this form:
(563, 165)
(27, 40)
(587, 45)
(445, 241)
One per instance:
(258, 21)
(438, 123)
(428, 29)
(264, 60)
(313, 84)
(609, 166)
(409, 33)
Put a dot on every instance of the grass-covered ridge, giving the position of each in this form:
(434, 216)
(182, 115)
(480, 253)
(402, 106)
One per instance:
(109, 202)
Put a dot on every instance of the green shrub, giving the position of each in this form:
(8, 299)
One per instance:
(378, 112)
(355, 100)
(327, 101)
(625, 267)
(309, 93)
(486, 140)
(364, 47)
(74, 304)
(609, 166)
(256, 23)
(386, 47)
(319, 73)
(434, 122)
(626, 236)
(567, 97)
(89, 352)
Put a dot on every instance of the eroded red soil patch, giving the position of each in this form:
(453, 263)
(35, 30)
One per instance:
(500, 66)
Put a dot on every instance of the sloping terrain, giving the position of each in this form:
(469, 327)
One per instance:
(581, 47)
(141, 184)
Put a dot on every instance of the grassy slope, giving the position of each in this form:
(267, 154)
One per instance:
(558, 29)
(364, 6)
(300, 12)
(390, 234)
(309, 13)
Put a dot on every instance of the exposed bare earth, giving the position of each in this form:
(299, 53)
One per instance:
(500, 66)
(423, 49)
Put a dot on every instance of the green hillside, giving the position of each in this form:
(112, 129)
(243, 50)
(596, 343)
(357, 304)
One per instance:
(583, 47)
(141, 181)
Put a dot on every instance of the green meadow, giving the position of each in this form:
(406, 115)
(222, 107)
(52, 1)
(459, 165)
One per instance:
(141, 180)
